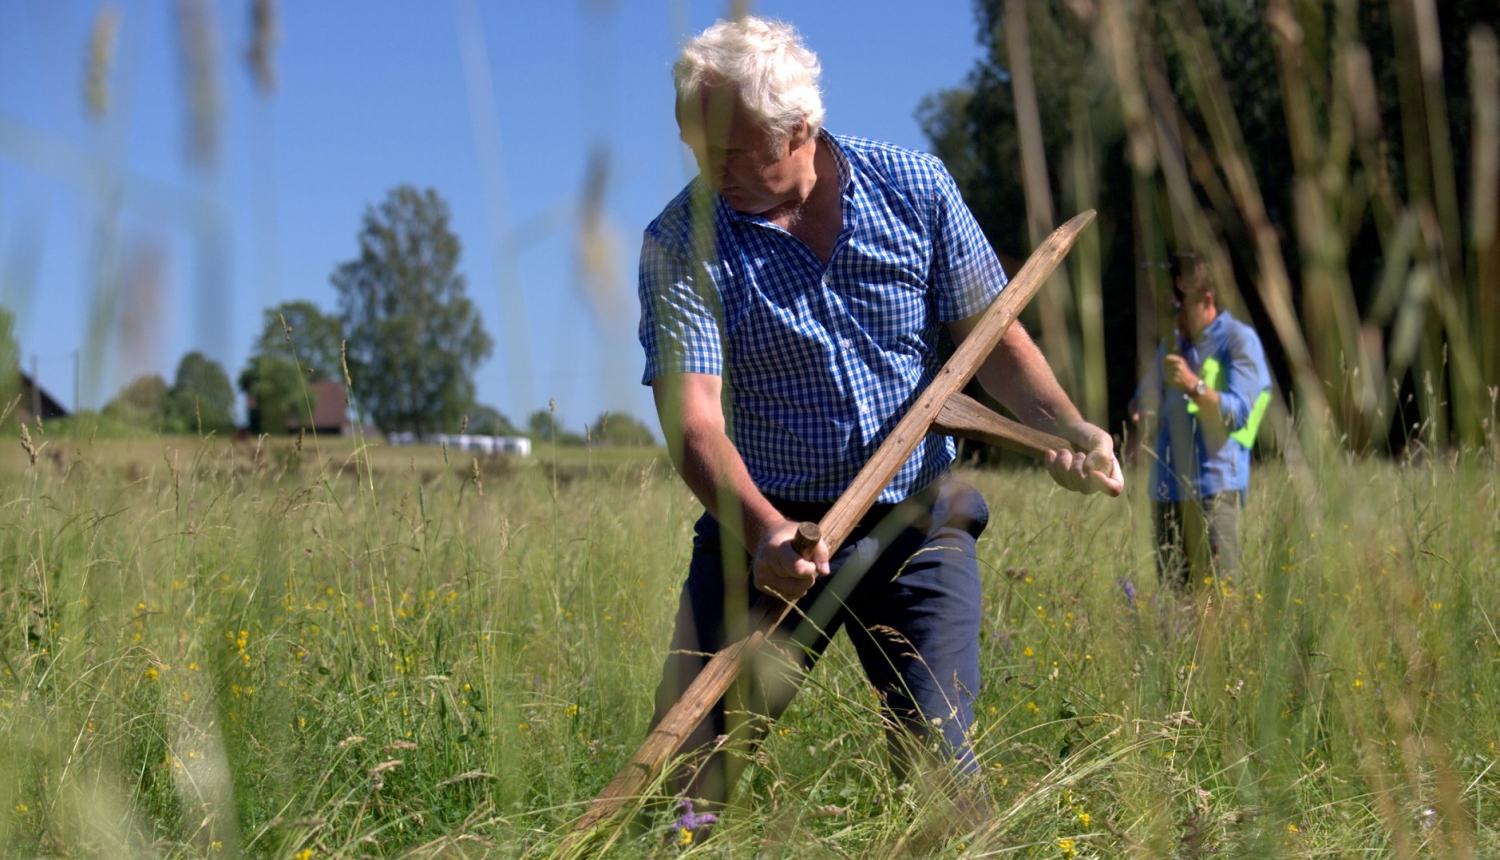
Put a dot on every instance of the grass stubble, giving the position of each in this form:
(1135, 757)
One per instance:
(285, 650)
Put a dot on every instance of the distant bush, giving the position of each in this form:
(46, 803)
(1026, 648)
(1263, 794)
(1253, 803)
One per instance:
(621, 430)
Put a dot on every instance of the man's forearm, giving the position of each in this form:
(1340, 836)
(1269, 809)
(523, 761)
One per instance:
(713, 470)
(1210, 417)
(1208, 405)
(1017, 374)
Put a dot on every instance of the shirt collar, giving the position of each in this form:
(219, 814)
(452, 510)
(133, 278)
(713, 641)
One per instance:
(1211, 331)
(846, 173)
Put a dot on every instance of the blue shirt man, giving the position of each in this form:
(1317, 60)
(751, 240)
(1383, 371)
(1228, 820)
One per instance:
(860, 331)
(1212, 393)
(791, 297)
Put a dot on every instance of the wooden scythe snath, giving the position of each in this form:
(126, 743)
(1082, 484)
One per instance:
(941, 408)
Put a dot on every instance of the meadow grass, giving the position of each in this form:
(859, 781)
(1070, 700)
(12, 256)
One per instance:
(319, 649)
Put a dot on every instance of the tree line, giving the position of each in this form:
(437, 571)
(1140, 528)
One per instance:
(404, 343)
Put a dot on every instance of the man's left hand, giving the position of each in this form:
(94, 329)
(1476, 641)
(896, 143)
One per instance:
(1091, 467)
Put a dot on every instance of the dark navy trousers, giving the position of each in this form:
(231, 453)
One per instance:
(905, 586)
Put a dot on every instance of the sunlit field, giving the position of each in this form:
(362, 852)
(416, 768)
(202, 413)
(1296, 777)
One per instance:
(301, 647)
(217, 648)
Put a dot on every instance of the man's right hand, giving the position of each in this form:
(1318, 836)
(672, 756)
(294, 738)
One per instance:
(778, 568)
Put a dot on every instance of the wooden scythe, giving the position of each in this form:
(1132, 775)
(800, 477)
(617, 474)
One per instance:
(942, 408)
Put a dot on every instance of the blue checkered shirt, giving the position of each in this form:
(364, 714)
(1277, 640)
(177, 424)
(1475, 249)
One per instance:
(819, 363)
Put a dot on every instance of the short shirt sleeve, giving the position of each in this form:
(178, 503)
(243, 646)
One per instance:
(966, 276)
(680, 318)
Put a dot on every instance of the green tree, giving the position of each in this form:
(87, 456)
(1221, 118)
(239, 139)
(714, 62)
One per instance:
(621, 430)
(274, 393)
(139, 404)
(294, 334)
(309, 338)
(546, 428)
(201, 398)
(414, 338)
(489, 421)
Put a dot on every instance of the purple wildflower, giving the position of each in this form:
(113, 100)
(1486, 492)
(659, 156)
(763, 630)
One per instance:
(690, 820)
(1129, 588)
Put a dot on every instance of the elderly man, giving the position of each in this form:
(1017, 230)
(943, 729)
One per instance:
(1213, 391)
(791, 301)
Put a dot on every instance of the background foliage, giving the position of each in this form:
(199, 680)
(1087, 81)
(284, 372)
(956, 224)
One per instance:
(298, 344)
(1348, 118)
(413, 336)
(200, 400)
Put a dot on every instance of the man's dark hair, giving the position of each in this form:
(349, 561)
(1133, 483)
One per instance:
(1190, 274)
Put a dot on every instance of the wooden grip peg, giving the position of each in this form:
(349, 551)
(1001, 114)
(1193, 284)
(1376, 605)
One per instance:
(806, 538)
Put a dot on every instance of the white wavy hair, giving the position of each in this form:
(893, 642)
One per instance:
(775, 75)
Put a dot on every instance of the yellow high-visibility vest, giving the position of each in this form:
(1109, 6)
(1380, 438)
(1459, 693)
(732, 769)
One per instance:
(1213, 374)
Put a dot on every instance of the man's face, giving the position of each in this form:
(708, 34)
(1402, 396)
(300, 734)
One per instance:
(1194, 309)
(744, 163)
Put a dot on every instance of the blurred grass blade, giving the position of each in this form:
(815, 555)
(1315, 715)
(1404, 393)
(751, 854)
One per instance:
(1055, 300)
(1273, 282)
(1484, 74)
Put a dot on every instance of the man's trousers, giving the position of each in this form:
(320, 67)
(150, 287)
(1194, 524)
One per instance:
(1196, 539)
(906, 587)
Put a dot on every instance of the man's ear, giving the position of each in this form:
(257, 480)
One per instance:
(797, 137)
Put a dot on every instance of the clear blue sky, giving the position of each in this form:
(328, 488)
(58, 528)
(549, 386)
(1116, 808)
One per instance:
(115, 245)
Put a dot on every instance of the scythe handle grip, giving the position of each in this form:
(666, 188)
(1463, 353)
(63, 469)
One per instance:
(806, 538)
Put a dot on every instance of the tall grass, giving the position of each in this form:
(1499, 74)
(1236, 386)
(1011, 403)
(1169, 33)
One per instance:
(1351, 348)
(234, 648)
(296, 650)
